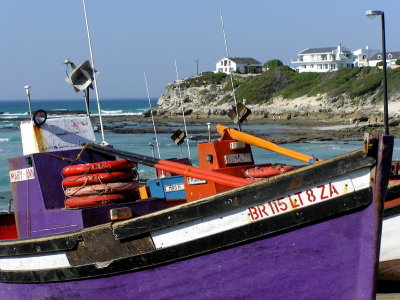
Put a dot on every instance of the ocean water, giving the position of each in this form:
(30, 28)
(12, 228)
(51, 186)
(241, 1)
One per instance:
(10, 140)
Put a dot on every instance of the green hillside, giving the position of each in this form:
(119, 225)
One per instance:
(281, 80)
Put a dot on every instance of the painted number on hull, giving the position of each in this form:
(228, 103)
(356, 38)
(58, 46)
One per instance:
(299, 199)
(22, 175)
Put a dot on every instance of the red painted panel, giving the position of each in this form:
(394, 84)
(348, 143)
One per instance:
(8, 230)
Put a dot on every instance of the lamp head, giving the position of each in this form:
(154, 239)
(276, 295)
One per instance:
(373, 13)
(27, 89)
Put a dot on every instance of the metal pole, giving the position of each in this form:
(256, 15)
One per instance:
(183, 110)
(227, 56)
(152, 117)
(28, 93)
(385, 94)
(209, 131)
(94, 73)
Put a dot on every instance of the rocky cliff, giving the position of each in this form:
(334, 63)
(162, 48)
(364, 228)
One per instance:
(215, 99)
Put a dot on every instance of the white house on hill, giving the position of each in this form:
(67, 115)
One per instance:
(362, 57)
(242, 65)
(391, 58)
(324, 59)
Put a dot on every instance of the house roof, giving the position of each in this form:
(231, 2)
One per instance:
(323, 50)
(389, 55)
(245, 60)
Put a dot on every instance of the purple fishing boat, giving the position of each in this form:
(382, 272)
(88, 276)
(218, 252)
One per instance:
(309, 233)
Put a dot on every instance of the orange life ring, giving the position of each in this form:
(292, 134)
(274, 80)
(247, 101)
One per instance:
(102, 189)
(264, 171)
(77, 202)
(98, 178)
(98, 167)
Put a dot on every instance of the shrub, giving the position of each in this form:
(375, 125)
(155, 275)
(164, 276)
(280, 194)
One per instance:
(205, 79)
(273, 63)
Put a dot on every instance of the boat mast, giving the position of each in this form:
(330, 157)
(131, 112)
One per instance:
(227, 56)
(183, 109)
(94, 73)
(152, 116)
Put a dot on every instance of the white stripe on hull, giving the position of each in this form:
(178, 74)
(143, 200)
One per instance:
(326, 191)
(390, 242)
(34, 262)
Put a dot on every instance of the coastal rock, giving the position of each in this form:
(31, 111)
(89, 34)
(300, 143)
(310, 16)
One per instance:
(214, 100)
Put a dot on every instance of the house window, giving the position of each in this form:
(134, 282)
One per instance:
(323, 57)
(229, 62)
(222, 63)
(220, 69)
(333, 67)
(312, 66)
(304, 66)
(325, 66)
(379, 56)
(390, 55)
(225, 62)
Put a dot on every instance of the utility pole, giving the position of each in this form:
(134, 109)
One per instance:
(197, 66)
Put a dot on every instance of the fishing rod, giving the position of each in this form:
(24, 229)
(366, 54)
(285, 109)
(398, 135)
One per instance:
(94, 73)
(227, 56)
(152, 116)
(183, 109)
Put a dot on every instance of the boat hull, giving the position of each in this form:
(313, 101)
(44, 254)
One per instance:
(309, 234)
(322, 260)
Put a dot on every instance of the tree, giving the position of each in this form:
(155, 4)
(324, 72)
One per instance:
(272, 64)
(398, 61)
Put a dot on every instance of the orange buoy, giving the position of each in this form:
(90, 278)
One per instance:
(102, 189)
(98, 178)
(265, 171)
(98, 167)
(78, 202)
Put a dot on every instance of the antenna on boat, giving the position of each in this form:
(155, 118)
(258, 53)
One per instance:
(183, 109)
(227, 56)
(94, 73)
(152, 116)
(28, 93)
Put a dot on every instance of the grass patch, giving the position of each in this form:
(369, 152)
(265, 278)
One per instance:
(284, 81)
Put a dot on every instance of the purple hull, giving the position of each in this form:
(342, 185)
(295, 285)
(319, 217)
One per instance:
(310, 234)
(314, 262)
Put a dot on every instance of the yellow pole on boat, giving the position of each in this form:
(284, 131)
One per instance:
(255, 141)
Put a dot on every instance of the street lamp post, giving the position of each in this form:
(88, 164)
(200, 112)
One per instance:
(372, 14)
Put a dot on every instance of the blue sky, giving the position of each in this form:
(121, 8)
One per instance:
(133, 37)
